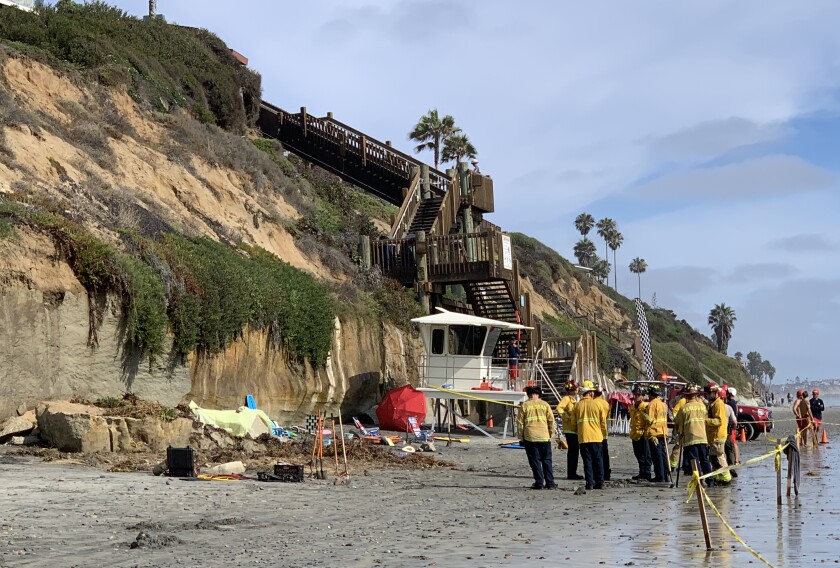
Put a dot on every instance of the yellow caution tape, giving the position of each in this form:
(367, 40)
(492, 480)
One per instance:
(695, 484)
(776, 452)
(464, 395)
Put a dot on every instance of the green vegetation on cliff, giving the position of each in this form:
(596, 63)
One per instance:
(204, 291)
(160, 64)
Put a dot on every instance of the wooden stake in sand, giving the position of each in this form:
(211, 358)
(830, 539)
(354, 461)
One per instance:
(778, 462)
(335, 448)
(703, 520)
(343, 448)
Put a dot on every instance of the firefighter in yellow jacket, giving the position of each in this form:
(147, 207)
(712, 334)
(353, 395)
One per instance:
(566, 411)
(605, 448)
(656, 424)
(675, 451)
(535, 423)
(690, 423)
(716, 427)
(637, 434)
(590, 436)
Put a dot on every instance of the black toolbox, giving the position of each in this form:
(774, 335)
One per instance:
(288, 472)
(180, 461)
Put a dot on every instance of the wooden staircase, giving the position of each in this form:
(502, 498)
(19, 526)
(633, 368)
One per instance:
(352, 155)
(425, 215)
(558, 372)
(494, 299)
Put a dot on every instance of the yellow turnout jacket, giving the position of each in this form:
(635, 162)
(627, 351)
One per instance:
(637, 421)
(656, 419)
(535, 421)
(690, 422)
(589, 415)
(566, 411)
(605, 410)
(716, 423)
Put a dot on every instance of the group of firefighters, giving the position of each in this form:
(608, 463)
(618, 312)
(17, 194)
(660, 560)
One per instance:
(703, 421)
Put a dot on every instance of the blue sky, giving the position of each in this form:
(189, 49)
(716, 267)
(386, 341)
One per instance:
(705, 129)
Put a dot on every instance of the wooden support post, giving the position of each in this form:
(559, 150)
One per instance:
(425, 184)
(778, 476)
(466, 213)
(303, 120)
(364, 150)
(364, 251)
(422, 271)
(329, 114)
(700, 503)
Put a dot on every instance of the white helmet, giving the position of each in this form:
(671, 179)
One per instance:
(733, 392)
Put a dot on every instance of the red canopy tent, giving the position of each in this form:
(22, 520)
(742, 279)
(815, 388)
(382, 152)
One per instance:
(398, 405)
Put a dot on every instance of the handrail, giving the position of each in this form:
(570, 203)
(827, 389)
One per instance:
(358, 143)
(448, 210)
(409, 207)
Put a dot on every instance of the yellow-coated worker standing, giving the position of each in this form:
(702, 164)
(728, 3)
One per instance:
(535, 422)
(675, 451)
(566, 411)
(690, 423)
(656, 422)
(637, 434)
(590, 436)
(716, 426)
(605, 411)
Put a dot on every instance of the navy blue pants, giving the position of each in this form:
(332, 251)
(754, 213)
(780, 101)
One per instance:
(593, 467)
(539, 458)
(605, 459)
(643, 457)
(700, 453)
(661, 465)
(572, 457)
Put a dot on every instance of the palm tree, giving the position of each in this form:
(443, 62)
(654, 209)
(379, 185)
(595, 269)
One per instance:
(584, 223)
(585, 252)
(432, 132)
(456, 148)
(601, 269)
(738, 356)
(637, 267)
(722, 320)
(614, 241)
(605, 226)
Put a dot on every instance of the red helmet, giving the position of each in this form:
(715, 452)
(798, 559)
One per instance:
(798, 393)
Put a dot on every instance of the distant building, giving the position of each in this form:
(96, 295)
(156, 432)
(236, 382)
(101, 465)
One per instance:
(26, 5)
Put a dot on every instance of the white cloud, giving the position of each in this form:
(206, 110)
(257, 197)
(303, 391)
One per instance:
(767, 176)
(714, 138)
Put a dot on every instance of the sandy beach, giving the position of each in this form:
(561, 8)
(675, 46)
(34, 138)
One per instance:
(478, 513)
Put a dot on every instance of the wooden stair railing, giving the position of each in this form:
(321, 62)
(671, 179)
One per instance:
(409, 207)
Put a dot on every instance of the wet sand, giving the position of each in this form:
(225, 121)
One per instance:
(477, 514)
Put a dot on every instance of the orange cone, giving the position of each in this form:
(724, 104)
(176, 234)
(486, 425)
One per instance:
(490, 422)
(824, 438)
(743, 437)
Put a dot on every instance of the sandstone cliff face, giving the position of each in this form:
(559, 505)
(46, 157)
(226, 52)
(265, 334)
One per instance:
(169, 172)
(44, 352)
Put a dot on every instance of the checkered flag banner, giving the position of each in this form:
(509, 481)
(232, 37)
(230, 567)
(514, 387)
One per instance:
(645, 338)
(312, 420)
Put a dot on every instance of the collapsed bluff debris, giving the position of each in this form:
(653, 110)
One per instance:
(129, 434)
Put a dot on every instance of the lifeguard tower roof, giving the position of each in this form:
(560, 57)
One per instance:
(446, 317)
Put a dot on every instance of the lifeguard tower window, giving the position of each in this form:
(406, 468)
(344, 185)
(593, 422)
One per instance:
(438, 337)
(466, 339)
(492, 340)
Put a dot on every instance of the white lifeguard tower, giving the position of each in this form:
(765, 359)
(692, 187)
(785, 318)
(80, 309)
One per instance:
(458, 359)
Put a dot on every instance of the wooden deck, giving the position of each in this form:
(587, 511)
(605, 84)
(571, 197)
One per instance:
(452, 259)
